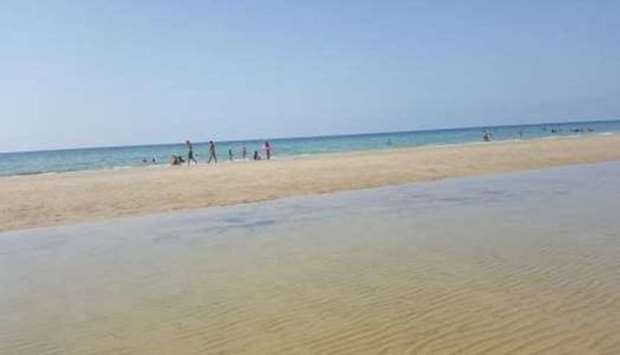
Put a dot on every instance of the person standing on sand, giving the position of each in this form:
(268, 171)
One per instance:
(190, 153)
(230, 155)
(267, 150)
(244, 153)
(212, 153)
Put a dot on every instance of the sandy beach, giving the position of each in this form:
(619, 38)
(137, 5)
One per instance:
(42, 200)
(520, 263)
(366, 178)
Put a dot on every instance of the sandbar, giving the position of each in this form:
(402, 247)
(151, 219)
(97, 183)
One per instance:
(43, 200)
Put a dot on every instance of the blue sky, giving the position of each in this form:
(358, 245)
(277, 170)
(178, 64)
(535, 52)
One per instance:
(91, 73)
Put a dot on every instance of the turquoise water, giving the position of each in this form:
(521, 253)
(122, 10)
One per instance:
(26, 163)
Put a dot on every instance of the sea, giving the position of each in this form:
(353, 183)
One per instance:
(70, 160)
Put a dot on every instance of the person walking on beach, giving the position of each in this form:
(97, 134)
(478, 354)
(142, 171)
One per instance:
(212, 153)
(190, 153)
(267, 150)
(230, 155)
(244, 153)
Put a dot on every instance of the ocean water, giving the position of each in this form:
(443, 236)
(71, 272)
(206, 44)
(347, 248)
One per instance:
(57, 161)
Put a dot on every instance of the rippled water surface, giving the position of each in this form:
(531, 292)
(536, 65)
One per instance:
(519, 263)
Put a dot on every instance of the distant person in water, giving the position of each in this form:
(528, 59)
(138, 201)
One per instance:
(244, 153)
(212, 153)
(256, 155)
(154, 160)
(230, 155)
(268, 150)
(487, 136)
(190, 153)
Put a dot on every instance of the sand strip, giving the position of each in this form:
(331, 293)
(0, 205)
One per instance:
(33, 201)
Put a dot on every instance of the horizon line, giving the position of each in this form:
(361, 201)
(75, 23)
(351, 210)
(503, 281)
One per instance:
(310, 136)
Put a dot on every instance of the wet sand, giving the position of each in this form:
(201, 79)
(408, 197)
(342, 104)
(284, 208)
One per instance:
(32, 201)
(523, 263)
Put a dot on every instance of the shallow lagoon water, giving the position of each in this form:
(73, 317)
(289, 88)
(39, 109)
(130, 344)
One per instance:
(516, 263)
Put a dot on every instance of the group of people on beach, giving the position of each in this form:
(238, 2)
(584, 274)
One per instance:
(487, 136)
(191, 156)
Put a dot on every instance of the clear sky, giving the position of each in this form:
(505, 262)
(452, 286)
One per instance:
(115, 72)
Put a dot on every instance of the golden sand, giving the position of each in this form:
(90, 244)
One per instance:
(31, 201)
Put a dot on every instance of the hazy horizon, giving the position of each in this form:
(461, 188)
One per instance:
(345, 134)
(113, 73)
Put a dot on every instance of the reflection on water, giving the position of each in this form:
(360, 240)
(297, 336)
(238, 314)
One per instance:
(515, 263)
